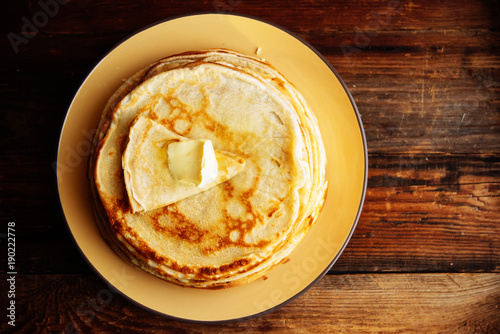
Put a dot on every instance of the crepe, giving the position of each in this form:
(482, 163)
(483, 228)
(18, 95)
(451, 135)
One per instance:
(148, 181)
(248, 221)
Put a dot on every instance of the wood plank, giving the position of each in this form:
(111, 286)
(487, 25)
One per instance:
(409, 303)
(437, 92)
(422, 213)
(439, 47)
(86, 17)
(433, 213)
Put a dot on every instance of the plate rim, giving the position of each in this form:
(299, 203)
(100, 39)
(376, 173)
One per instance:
(363, 190)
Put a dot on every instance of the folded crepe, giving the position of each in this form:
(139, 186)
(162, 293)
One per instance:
(148, 179)
(270, 183)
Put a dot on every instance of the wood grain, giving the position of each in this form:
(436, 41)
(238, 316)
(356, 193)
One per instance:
(435, 91)
(85, 16)
(444, 303)
(425, 256)
(428, 213)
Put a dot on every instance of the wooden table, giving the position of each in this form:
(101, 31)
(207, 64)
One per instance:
(425, 256)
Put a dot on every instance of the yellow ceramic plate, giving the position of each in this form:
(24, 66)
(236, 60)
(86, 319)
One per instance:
(342, 133)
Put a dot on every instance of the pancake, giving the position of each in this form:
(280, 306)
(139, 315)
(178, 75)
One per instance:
(270, 185)
(148, 180)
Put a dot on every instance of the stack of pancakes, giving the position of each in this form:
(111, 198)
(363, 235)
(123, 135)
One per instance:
(271, 183)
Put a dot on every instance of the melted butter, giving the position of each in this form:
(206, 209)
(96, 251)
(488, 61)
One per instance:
(192, 161)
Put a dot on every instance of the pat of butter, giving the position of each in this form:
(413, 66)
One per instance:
(192, 161)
